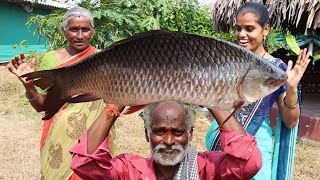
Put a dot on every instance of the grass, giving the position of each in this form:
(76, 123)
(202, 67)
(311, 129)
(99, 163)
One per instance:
(13, 100)
(307, 160)
(20, 132)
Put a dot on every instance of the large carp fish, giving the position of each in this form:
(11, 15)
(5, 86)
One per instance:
(162, 65)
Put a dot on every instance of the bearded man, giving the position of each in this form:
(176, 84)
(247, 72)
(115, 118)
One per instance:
(169, 130)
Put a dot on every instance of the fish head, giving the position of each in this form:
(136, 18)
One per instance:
(261, 79)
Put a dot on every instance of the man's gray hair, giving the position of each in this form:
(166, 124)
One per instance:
(77, 11)
(147, 116)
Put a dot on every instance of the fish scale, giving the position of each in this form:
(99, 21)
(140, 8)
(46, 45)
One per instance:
(164, 65)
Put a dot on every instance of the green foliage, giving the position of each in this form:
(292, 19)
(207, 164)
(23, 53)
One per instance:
(118, 19)
(228, 36)
(50, 27)
(316, 56)
(179, 15)
(272, 44)
(114, 20)
(291, 41)
(24, 45)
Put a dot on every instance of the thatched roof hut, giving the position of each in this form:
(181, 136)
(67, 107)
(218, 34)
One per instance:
(296, 15)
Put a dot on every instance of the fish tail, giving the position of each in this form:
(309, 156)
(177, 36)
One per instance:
(46, 80)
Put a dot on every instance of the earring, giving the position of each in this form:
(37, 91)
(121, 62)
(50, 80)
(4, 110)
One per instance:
(264, 39)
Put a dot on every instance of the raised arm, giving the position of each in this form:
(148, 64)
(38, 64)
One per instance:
(232, 124)
(19, 66)
(92, 151)
(240, 157)
(100, 129)
(288, 102)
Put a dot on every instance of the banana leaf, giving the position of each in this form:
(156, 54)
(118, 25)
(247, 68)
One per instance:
(292, 43)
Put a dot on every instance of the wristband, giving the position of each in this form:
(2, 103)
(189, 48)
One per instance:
(32, 99)
(289, 106)
(112, 110)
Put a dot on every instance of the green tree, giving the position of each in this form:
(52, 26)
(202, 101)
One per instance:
(113, 21)
(176, 15)
(118, 19)
(50, 27)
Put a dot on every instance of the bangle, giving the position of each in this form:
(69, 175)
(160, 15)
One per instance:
(32, 99)
(112, 110)
(289, 106)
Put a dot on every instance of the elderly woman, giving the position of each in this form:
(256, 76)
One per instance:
(64, 129)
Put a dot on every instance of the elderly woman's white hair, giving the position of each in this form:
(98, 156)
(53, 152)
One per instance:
(77, 11)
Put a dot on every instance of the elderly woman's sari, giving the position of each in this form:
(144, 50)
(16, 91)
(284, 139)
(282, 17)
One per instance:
(65, 128)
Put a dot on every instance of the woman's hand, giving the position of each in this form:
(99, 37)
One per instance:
(19, 66)
(295, 74)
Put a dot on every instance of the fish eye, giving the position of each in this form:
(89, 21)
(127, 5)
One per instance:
(272, 82)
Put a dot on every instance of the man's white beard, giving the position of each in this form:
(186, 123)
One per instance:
(167, 161)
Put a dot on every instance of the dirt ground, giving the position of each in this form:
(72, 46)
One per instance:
(20, 133)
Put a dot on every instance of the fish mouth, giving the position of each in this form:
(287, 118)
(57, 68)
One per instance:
(283, 79)
(282, 76)
(280, 83)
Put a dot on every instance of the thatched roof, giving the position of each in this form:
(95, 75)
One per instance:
(296, 15)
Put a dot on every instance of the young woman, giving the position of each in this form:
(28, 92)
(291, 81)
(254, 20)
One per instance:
(251, 29)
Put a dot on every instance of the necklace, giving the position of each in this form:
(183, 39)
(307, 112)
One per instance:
(264, 54)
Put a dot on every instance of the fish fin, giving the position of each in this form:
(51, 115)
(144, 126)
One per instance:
(141, 35)
(52, 102)
(237, 106)
(46, 80)
(82, 98)
(43, 79)
(133, 109)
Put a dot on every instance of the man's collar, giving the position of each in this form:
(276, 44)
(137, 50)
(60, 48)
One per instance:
(145, 166)
(201, 163)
